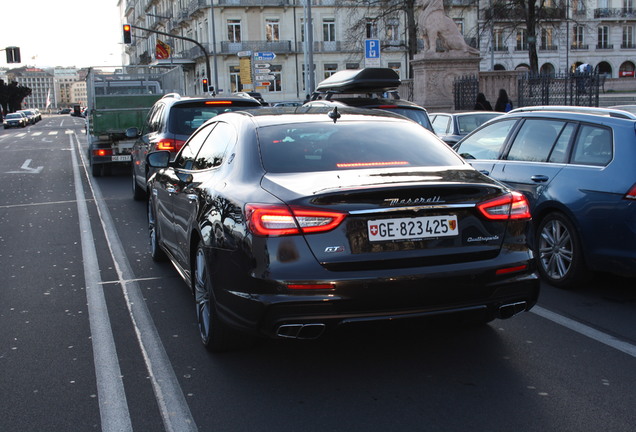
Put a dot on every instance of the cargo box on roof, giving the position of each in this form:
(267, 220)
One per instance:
(360, 80)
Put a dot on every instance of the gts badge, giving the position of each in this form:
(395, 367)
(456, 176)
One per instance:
(334, 249)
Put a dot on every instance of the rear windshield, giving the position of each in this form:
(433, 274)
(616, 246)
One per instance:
(416, 115)
(186, 118)
(351, 145)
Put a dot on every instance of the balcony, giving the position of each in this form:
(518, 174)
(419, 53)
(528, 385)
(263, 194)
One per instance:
(604, 46)
(615, 13)
(198, 5)
(255, 3)
(278, 47)
(549, 48)
(628, 45)
(579, 47)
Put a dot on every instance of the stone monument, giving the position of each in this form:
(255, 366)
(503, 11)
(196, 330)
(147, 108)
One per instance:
(446, 56)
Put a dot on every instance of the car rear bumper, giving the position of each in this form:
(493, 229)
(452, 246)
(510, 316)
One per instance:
(307, 314)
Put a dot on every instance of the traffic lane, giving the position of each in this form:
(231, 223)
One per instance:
(605, 302)
(526, 372)
(46, 356)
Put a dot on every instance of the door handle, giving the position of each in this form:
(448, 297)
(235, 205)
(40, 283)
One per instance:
(539, 178)
(171, 189)
(485, 172)
(192, 197)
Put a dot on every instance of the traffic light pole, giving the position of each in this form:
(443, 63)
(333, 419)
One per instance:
(205, 52)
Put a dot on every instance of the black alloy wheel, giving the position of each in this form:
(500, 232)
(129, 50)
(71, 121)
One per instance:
(215, 335)
(558, 251)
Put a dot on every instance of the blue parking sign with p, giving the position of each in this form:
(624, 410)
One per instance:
(372, 48)
(372, 53)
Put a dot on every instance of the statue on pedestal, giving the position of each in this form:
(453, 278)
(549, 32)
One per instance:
(436, 25)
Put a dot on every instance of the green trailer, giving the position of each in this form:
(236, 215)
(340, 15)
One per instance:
(119, 100)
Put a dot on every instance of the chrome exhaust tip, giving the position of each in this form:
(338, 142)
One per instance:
(511, 309)
(301, 331)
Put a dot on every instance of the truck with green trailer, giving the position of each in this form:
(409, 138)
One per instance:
(118, 100)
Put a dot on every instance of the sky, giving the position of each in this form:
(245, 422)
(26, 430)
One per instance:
(62, 32)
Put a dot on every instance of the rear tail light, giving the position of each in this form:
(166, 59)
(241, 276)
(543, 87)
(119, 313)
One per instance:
(631, 193)
(511, 206)
(103, 152)
(172, 145)
(310, 286)
(274, 220)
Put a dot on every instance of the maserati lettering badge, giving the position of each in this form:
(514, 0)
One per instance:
(393, 202)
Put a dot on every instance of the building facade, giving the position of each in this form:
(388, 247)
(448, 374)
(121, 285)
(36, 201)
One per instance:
(229, 28)
(39, 81)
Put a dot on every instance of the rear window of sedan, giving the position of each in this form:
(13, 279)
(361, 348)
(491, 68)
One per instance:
(186, 118)
(323, 146)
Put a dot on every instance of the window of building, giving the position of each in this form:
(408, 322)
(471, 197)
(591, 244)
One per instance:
(272, 29)
(603, 37)
(235, 79)
(547, 41)
(498, 36)
(628, 36)
(328, 29)
(522, 40)
(393, 29)
(234, 30)
(352, 66)
(578, 38)
(330, 69)
(276, 84)
(459, 22)
(628, 5)
(371, 27)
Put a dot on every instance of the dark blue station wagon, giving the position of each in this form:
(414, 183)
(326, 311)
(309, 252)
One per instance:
(577, 167)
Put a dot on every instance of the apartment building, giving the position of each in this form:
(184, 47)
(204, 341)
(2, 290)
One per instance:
(237, 27)
(39, 81)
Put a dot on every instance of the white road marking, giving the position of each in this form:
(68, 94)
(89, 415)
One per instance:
(113, 408)
(576, 326)
(173, 407)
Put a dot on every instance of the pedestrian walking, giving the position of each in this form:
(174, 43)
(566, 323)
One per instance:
(482, 104)
(503, 104)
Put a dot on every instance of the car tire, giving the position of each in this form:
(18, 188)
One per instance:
(215, 335)
(558, 251)
(139, 194)
(157, 254)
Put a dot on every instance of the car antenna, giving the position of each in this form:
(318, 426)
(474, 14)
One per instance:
(334, 114)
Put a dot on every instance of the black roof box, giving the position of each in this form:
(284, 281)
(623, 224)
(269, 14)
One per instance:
(360, 80)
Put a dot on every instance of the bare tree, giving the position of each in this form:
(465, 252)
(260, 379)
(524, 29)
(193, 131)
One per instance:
(523, 19)
(365, 14)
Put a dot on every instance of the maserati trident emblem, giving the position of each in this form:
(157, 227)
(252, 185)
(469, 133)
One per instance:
(393, 202)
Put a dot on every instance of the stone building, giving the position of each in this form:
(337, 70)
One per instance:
(38, 80)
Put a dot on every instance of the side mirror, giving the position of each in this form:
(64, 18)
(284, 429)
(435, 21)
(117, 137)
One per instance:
(158, 159)
(132, 132)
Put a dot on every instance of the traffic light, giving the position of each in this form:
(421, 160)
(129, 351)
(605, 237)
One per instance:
(13, 55)
(127, 36)
(204, 81)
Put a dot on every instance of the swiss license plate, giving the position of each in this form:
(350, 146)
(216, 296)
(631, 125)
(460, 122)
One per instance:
(121, 158)
(412, 228)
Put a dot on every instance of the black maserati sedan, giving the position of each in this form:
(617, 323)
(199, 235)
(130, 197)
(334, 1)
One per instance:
(289, 222)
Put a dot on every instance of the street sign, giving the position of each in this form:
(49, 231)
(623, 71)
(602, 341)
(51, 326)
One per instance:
(244, 53)
(261, 65)
(372, 53)
(263, 83)
(265, 55)
(264, 77)
(262, 71)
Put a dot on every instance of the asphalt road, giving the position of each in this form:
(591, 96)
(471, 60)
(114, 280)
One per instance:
(95, 336)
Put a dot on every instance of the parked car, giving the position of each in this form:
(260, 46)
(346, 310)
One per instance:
(170, 122)
(287, 222)
(30, 115)
(64, 111)
(254, 95)
(451, 127)
(374, 88)
(576, 167)
(16, 119)
(288, 104)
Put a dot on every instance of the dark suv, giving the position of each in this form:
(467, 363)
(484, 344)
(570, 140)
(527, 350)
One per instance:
(576, 167)
(170, 122)
(368, 88)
